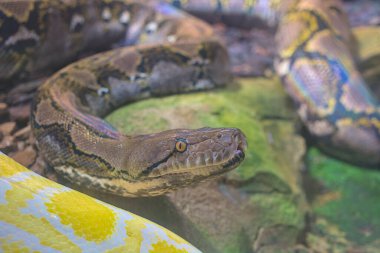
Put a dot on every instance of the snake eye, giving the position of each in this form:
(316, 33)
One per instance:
(181, 145)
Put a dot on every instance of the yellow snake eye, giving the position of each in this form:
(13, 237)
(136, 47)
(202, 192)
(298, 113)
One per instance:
(181, 145)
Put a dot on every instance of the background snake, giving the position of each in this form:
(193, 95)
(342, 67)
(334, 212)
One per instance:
(314, 61)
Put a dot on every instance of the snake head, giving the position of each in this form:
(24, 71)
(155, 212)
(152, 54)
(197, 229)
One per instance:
(176, 158)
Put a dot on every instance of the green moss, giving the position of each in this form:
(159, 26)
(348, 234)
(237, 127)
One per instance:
(277, 209)
(260, 113)
(352, 198)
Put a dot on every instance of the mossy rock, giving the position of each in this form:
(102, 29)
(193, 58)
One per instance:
(346, 200)
(262, 204)
(259, 107)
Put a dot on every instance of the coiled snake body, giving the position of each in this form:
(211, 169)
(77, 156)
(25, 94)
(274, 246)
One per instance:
(86, 149)
(314, 62)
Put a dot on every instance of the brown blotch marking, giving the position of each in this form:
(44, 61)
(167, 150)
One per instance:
(288, 32)
(97, 61)
(189, 49)
(46, 114)
(88, 142)
(190, 29)
(151, 55)
(127, 61)
(81, 78)
(20, 10)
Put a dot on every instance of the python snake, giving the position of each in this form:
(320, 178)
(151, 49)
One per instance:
(314, 61)
(39, 215)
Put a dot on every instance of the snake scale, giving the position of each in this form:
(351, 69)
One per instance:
(39, 215)
(315, 61)
(317, 64)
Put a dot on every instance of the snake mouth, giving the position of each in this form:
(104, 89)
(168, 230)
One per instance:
(238, 156)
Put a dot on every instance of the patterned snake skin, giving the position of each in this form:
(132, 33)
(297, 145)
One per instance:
(38, 215)
(315, 62)
(87, 150)
(66, 110)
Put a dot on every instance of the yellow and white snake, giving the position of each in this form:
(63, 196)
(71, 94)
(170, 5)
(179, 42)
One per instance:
(39, 215)
(314, 61)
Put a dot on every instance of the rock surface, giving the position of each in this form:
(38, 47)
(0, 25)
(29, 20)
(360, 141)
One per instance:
(344, 200)
(260, 206)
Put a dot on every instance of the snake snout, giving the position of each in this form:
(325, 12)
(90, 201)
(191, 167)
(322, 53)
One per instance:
(235, 144)
(241, 141)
